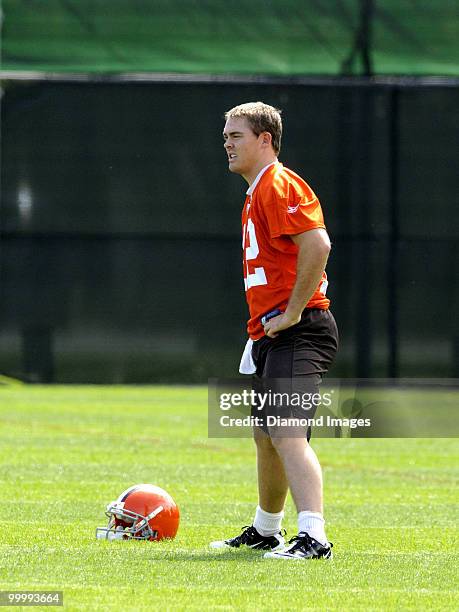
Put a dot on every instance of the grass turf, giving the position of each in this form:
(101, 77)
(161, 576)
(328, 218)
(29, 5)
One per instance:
(391, 509)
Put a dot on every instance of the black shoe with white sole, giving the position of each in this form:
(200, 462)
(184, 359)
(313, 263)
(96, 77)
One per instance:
(252, 539)
(303, 546)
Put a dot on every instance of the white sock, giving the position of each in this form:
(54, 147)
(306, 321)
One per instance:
(267, 523)
(313, 524)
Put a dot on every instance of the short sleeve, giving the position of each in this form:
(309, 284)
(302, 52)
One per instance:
(293, 210)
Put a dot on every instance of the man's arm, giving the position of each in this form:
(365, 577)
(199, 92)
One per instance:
(313, 249)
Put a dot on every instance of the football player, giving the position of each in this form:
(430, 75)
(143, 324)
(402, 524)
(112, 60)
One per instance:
(292, 333)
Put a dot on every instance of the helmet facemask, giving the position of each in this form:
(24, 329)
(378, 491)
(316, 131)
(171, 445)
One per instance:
(125, 524)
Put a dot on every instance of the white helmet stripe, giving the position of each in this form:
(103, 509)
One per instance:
(155, 512)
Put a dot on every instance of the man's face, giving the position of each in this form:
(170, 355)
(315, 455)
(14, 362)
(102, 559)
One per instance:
(242, 146)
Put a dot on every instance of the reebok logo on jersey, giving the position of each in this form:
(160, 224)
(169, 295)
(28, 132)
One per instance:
(293, 209)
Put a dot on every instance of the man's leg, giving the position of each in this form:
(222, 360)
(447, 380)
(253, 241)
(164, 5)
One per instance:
(290, 462)
(265, 532)
(305, 480)
(272, 479)
(300, 358)
(303, 472)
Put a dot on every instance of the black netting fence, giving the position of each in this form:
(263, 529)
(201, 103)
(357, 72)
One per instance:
(120, 226)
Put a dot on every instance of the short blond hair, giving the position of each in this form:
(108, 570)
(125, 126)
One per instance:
(261, 118)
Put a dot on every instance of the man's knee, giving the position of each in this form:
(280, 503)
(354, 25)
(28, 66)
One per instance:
(279, 442)
(262, 439)
(283, 440)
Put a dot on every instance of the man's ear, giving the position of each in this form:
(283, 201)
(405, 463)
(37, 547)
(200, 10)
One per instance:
(266, 139)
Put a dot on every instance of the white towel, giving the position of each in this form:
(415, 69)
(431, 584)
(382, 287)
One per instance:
(247, 365)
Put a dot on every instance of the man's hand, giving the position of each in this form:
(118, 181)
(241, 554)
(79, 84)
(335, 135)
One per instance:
(277, 324)
(313, 249)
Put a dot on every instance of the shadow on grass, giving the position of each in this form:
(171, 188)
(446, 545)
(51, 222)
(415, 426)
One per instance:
(211, 555)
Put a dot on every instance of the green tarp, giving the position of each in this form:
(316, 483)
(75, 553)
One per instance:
(272, 37)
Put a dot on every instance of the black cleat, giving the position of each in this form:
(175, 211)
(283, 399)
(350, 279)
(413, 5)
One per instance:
(303, 547)
(252, 539)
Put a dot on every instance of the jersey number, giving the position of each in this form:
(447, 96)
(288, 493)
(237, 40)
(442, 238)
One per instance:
(258, 277)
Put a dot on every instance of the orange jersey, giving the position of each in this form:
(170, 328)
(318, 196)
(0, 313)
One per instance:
(279, 205)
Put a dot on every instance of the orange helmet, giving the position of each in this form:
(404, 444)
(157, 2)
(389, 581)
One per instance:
(142, 512)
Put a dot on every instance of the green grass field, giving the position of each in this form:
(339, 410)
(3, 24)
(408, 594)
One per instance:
(391, 509)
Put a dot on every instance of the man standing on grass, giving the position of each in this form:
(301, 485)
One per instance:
(292, 334)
